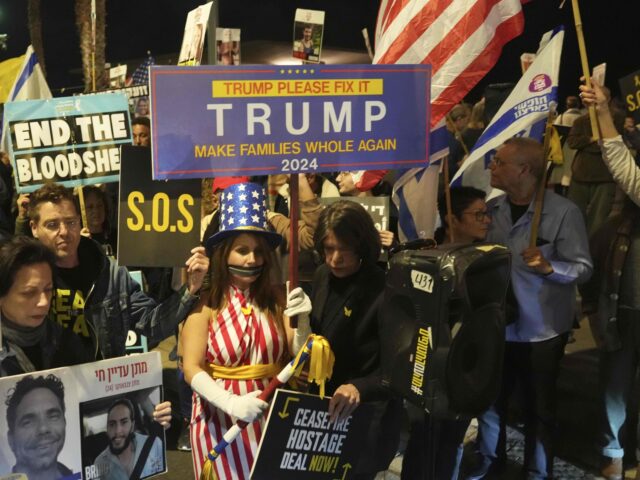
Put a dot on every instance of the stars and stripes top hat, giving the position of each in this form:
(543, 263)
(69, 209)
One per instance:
(243, 209)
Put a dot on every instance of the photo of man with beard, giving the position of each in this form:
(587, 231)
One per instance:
(37, 427)
(129, 454)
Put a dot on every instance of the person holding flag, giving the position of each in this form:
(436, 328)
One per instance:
(612, 289)
(616, 155)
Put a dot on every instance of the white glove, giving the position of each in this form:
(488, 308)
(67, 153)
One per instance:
(245, 407)
(298, 303)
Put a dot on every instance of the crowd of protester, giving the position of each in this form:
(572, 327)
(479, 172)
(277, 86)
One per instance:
(233, 310)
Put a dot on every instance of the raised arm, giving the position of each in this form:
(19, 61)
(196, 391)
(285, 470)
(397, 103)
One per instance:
(615, 154)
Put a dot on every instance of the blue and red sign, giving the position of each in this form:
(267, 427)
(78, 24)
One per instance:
(257, 120)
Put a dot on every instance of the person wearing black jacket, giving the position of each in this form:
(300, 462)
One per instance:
(30, 341)
(347, 291)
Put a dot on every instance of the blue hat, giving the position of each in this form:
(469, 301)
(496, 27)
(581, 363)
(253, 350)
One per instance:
(243, 209)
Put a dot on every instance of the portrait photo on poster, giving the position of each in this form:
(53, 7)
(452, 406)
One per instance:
(308, 28)
(120, 439)
(194, 33)
(228, 46)
(141, 107)
(39, 426)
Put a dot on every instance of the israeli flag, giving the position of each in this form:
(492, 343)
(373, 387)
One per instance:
(415, 192)
(30, 83)
(523, 114)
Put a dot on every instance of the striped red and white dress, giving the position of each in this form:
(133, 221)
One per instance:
(235, 339)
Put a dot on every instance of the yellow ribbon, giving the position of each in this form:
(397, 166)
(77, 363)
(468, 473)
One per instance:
(320, 362)
(245, 372)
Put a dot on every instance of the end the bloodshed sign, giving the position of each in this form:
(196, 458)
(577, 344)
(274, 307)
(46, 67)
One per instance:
(73, 140)
(222, 121)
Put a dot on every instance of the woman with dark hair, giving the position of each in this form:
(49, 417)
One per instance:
(347, 291)
(469, 224)
(237, 339)
(98, 214)
(30, 341)
(470, 217)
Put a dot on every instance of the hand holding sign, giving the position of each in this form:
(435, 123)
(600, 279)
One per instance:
(344, 401)
(162, 414)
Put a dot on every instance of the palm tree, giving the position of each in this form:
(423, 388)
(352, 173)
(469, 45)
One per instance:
(35, 31)
(83, 22)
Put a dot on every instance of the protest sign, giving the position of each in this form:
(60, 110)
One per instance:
(138, 96)
(117, 76)
(376, 207)
(193, 39)
(229, 121)
(300, 442)
(599, 73)
(228, 46)
(72, 140)
(158, 222)
(630, 88)
(308, 27)
(79, 403)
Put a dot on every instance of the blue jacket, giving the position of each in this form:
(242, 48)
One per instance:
(116, 304)
(545, 303)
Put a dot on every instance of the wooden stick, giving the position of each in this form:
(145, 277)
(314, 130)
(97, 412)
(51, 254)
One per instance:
(83, 209)
(585, 66)
(447, 196)
(294, 196)
(93, 52)
(537, 212)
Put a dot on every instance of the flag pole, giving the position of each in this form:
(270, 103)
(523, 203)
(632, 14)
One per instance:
(447, 197)
(83, 209)
(585, 66)
(537, 212)
(93, 45)
(294, 196)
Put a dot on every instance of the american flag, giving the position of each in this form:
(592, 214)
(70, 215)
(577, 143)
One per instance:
(462, 40)
(141, 74)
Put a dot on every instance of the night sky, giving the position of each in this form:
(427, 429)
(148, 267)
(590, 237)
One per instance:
(135, 26)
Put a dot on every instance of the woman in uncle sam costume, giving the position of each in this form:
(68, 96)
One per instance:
(238, 338)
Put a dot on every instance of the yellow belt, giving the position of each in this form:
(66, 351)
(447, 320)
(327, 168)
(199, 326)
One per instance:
(245, 372)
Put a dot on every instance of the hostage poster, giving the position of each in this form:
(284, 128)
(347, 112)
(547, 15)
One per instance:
(75, 422)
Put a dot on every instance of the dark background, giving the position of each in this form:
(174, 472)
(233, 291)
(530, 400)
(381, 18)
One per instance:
(137, 26)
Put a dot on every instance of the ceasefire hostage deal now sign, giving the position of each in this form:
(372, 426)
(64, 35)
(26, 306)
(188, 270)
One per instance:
(71, 140)
(212, 121)
(300, 441)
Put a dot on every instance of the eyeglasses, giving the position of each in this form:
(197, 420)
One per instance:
(479, 215)
(498, 162)
(54, 225)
